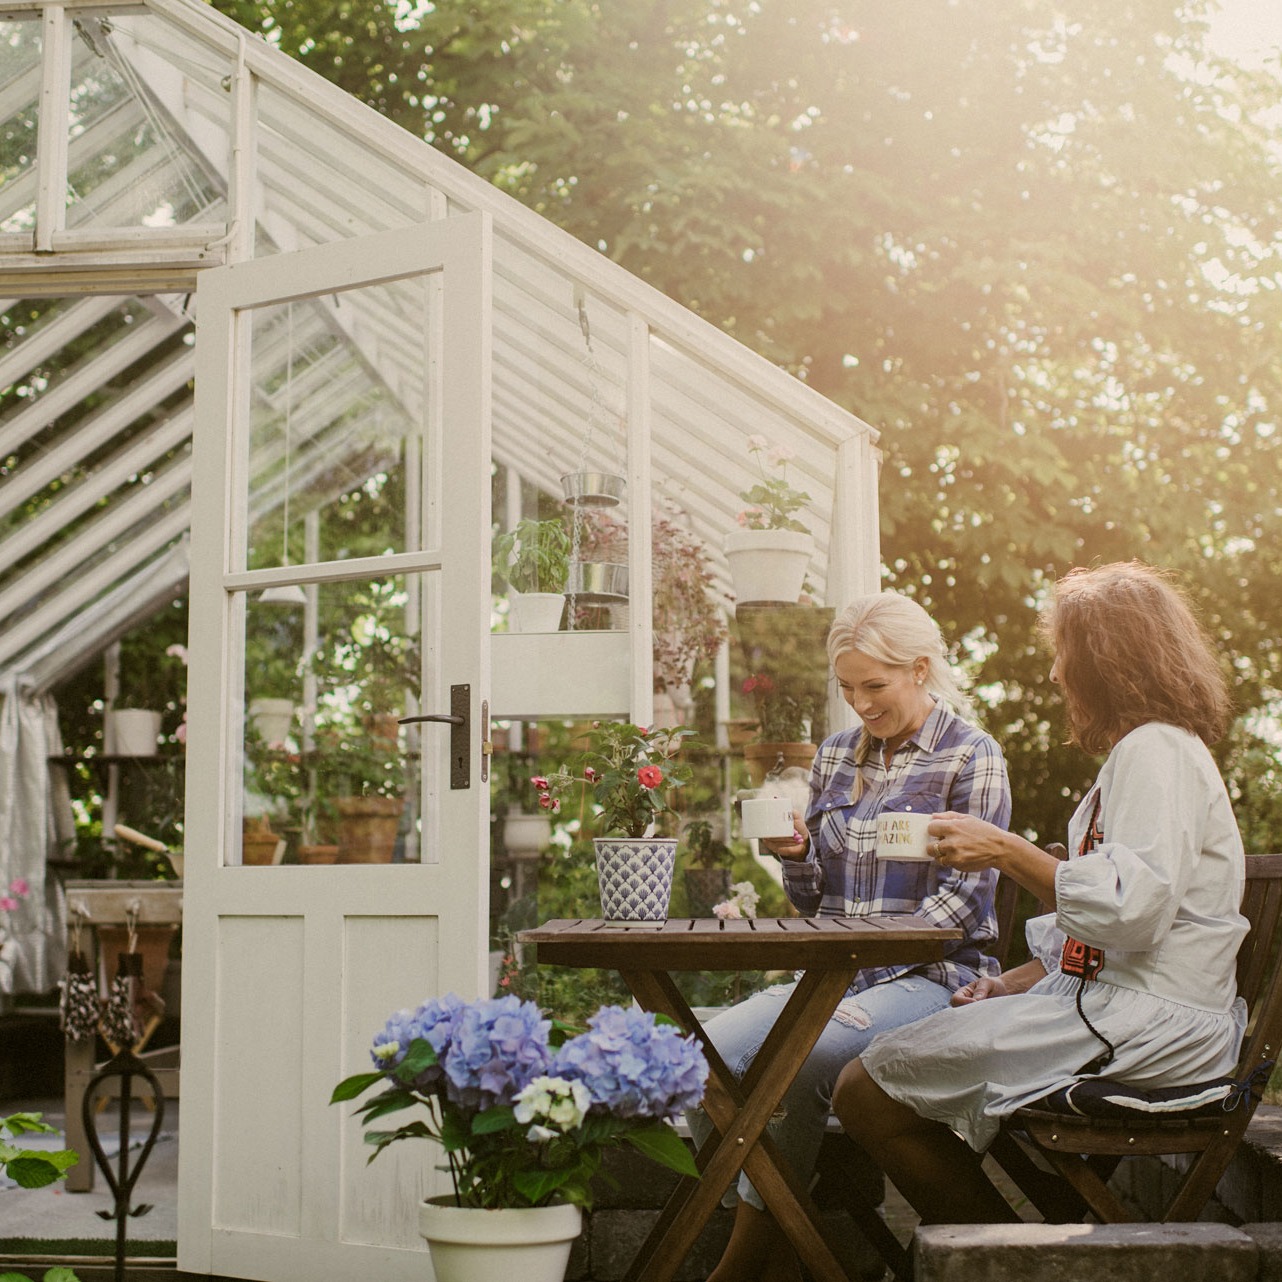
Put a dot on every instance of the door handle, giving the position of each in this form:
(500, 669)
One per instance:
(459, 719)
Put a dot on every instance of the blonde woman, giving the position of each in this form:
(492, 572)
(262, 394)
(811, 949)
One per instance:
(914, 749)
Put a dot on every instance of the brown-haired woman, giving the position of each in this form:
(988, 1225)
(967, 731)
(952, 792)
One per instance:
(1132, 976)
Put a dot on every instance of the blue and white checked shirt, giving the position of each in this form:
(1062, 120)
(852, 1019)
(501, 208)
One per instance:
(948, 764)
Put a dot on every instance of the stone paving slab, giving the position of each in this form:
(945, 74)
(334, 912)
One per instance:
(1084, 1253)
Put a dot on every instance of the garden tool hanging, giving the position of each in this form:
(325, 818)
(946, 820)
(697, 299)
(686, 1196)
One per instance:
(119, 1025)
(79, 1006)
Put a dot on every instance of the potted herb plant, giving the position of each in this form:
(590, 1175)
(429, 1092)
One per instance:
(628, 772)
(534, 561)
(524, 1113)
(769, 554)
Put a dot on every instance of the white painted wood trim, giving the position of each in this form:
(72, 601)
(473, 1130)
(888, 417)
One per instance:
(53, 139)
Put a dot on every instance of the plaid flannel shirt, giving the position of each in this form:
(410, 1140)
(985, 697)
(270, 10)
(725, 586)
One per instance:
(948, 764)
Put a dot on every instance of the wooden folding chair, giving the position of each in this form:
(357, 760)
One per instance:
(1086, 1151)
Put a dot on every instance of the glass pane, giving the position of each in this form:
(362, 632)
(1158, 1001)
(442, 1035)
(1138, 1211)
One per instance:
(129, 164)
(329, 775)
(20, 45)
(335, 430)
(560, 495)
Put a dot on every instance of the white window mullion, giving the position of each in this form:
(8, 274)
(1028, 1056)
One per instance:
(54, 128)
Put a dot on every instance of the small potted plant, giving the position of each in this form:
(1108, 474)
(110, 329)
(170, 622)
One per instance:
(707, 873)
(525, 1113)
(628, 772)
(769, 554)
(534, 561)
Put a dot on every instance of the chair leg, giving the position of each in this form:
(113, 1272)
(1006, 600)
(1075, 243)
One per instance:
(1055, 1199)
(1105, 1205)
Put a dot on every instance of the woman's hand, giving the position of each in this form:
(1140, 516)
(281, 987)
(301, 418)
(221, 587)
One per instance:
(965, 842)
(1008, 983)
(793, 847)
(978, 989)
(969, 844)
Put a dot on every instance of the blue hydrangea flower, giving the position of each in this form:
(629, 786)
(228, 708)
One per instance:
(634, 1067)
(497, 1046)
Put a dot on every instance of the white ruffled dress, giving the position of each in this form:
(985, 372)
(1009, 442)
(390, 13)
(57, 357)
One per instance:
(1160, 894)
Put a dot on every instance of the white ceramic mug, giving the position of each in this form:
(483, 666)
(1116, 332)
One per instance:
(767, 817)
(901, 834)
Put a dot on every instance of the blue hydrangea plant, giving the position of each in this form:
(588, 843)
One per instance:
(523, 1110)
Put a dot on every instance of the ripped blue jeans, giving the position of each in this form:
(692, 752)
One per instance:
(798, 1123)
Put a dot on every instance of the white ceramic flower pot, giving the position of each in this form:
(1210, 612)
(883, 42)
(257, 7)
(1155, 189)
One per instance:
(525, 836)
(131, 732)
(535, 611)
(635, 877)
(768, 565)
(272, 718)
(531, 1244)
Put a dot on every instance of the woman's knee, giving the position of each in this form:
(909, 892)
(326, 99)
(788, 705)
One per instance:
(857, 1100)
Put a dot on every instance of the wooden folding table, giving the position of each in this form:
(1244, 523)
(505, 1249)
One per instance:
(830, 951)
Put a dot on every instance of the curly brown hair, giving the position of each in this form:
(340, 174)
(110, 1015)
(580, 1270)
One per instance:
(1130, 650)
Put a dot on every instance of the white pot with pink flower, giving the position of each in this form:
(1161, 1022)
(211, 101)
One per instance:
(769, 554)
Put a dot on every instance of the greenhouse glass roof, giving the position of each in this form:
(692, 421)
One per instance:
(142, 143)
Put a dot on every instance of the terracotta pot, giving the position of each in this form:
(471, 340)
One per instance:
(317, 854)
(367, 828)
(151, 944)
(762, 758)
(258, 846)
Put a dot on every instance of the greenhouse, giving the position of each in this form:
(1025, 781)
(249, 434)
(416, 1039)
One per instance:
(267, 353)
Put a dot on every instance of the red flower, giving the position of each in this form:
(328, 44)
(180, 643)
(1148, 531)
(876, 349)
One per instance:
(545, 801)
(759, 684)
(540, 783)
(589, 774)
(649, 776)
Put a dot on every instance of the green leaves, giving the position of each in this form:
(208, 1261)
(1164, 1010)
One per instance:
(665, 1146)
(32, 1168)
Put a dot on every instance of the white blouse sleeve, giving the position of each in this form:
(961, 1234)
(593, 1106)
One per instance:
(1125, 893)
(1045, 940)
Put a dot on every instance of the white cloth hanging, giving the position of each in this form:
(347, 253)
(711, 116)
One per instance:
(35, 820)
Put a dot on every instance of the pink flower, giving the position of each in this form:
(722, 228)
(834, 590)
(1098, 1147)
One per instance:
(589, 774)
(545, 801)
(780, 454)
(649, 776)
(8, 903)
(757, 442)
(540, 783)
(20, 886)
(727, 911)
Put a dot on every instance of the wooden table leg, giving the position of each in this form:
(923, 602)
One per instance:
(740, 1114)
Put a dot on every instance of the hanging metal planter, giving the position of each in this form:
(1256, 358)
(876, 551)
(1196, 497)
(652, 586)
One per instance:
(593, 489)
(597, 583)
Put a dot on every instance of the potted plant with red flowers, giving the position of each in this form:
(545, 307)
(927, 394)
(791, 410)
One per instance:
(629, 773)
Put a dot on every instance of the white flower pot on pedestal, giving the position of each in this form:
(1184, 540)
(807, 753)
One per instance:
(131, 732)
(531, 1244)
(768, 565)
(526, 836)
(535, 611)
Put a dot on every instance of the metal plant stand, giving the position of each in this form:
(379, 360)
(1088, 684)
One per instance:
(126, 1066)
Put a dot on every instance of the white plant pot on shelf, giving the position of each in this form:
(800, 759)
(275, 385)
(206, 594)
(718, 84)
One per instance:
(131, 732)
(526, 836)
(472, 1245)
(535, 611)
(272, 718)
(768, 565)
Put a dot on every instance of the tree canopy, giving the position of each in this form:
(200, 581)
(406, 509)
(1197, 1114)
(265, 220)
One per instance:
(1037, 247)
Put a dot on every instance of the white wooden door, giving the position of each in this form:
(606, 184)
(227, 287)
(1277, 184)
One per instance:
(307, 407)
